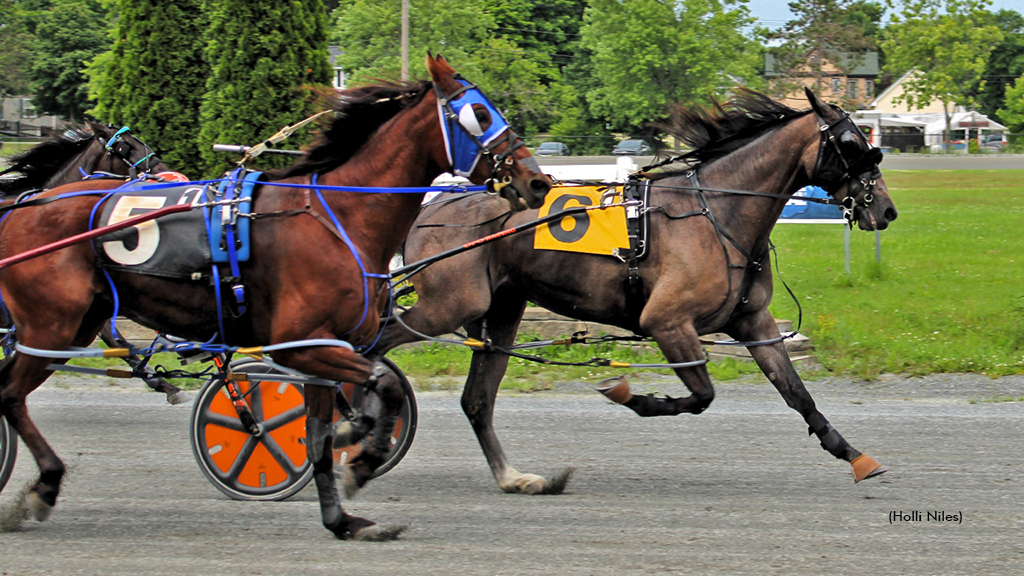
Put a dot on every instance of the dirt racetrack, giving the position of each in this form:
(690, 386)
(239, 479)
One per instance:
(738, 490)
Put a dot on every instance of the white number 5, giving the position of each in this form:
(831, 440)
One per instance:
(149, 233)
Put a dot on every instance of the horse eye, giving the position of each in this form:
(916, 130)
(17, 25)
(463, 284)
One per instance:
(848, 137)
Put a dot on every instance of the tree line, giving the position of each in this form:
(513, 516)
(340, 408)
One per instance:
(187, 73)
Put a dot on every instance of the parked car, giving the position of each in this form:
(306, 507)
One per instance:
(992, 142)
(553, 149)
(632, 148)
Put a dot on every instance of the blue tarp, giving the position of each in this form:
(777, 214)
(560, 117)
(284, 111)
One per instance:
(797, 209)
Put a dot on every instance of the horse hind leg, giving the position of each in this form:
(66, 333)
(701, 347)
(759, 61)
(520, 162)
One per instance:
(478, 397)
(679, 343)
(775, 363)
(19, 376)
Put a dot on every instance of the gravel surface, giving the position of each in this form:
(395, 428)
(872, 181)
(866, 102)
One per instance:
(738, 490)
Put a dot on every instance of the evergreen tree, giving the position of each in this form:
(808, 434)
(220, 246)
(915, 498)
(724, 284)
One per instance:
(69, 34)
(264, 55)
(153, 78)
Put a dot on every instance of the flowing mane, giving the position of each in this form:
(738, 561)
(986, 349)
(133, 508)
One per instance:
(32, 168)
(360, 112)
(723, 129)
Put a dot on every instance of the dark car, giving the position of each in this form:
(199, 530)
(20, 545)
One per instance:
(632, 148)
(552, 149)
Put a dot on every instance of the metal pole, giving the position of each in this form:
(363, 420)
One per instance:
(846, 246)
(405, 40)
(878, 246)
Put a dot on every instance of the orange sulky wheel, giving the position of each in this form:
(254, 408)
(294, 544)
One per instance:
(273, 466)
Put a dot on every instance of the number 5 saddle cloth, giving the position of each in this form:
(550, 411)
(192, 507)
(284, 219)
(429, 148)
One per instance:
(182, 245)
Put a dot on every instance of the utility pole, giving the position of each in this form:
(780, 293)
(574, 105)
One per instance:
(405, 40)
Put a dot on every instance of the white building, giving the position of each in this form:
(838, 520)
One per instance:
(896, 126)
(18, 118)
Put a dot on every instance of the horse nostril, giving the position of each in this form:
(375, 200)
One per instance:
(890, 214)
(539, 186)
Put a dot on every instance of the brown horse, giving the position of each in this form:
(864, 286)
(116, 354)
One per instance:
(303, 281)
(95, 150)
(706, 270)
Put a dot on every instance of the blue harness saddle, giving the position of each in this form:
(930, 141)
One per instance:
(187, 245)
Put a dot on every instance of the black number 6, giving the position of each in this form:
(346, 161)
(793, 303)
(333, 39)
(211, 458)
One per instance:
(582, 219)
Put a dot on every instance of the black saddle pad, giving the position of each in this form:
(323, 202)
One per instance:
(174, 246)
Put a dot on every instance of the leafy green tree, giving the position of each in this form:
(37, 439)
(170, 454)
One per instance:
(948, 42)
(517, 80)
(650, 53)
(15, 47)
(69, 34)
(153, 78)
(545, 29)
(266, 58)
(1005, 63)
(822, 34)
(368, 32)
(1012, 112)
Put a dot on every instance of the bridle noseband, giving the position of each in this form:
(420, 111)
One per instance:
(832, 168)
(500, 132)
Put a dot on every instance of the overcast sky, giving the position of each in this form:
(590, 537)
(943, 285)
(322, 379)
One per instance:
(775, 13)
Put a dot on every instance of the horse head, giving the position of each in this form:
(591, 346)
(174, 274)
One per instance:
(127, 154)
(475, 130)
(846, 166)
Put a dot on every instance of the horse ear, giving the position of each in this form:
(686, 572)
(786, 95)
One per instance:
(819, 107)
(439, 68)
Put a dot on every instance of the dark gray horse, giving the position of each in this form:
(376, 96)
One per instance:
(706, 271)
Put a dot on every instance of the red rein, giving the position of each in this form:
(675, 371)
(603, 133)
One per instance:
(36, 252)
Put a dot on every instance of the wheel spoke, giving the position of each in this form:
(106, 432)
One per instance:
(256, 400)
(242, 459)
(284, 418)
(282, 459)
(225, 421)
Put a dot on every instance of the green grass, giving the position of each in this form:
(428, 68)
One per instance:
(440, 360)
(948, 295)
(166, 360)
(13, 148)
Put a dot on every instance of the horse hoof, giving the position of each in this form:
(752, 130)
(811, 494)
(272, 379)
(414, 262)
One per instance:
(179, 397)
(615, 389)
(39, 508)
(865, 467)
(523, 483)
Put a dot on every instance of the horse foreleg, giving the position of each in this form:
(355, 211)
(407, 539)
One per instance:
(338, 364)
(174, 394)
(319, 443)
(775, 363)
(478, 397)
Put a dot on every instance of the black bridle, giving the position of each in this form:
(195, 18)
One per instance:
(119, 148)
(834, 168)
